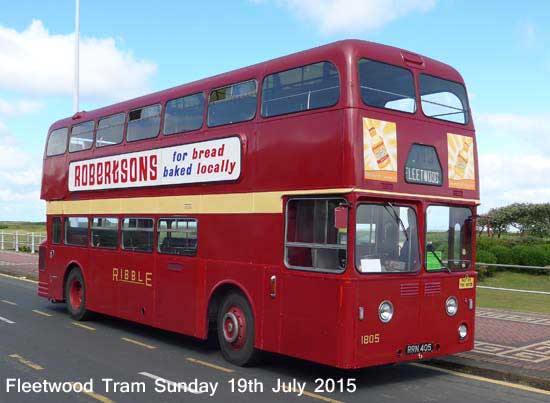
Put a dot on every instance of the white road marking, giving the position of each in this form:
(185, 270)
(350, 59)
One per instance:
(6, 320)
(167, 382)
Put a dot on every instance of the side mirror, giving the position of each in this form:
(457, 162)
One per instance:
(341, 217)
(430, 247)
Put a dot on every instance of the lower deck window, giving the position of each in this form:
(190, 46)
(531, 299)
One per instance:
(386, 239)
(137, 234)
(57, 233)
(105, 232)
(312, 240)
(177, 236)
(76, 231)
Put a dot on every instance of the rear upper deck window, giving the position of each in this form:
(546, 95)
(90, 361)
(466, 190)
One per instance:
(443, 99)
(82, 136)
(184, 114)
(143, 123)
(308, 87)
(110, 130)
(57, 142)
(233, 103)
(386, 86)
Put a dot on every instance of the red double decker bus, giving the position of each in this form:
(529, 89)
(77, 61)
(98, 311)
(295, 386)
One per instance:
(320, 205)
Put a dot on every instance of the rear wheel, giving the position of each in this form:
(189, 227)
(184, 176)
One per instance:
(236, 330)
(75, 295)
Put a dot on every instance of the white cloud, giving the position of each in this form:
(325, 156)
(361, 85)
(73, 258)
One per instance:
(20, 178)
(530, 132)
(38, 62)
(514, 158)
(352, 16)
(20, 107)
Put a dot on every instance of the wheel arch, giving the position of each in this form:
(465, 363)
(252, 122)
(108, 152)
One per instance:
(215, 298)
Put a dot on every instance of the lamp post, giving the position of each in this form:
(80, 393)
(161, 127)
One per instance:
(76, 56)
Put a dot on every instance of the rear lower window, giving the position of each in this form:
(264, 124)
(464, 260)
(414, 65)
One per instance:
(57, 142)
(448, 238)
(443, 99)
(137, 234)
(308, 87)
(312, 240)
(57, 234)
(184, 114)
(76, 231)
(177, 236)
(143, 123)
(233, 103)
(105, 232)
(110, 130)
(386, 86)
(82, 136)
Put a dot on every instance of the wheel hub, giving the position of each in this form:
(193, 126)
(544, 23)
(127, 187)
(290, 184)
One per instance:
(234, 327)
(75, 294)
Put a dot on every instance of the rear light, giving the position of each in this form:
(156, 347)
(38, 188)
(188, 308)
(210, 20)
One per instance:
(42, 257)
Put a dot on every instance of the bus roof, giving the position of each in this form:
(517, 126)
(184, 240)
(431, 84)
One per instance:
(345, 50)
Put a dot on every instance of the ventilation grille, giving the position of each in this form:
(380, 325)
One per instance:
(432, 288)
(410, 289)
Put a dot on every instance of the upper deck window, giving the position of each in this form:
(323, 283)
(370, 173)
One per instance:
(143, 123)
(184, 114)
(110, 130)
(443, 99)
(57, 142)
(308, 87)
(386, 86)
(82, 136)
(233, 103)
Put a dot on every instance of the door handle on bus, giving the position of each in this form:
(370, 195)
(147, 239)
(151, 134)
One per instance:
(273, 286)
(52, 253)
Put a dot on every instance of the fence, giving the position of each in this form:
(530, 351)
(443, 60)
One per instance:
(21, 241)
(512, 266)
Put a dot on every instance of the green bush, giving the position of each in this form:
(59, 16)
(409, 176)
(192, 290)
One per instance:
(503, 254)
(484, 256)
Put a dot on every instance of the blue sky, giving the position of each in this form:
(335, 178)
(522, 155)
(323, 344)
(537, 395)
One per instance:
(129, 48)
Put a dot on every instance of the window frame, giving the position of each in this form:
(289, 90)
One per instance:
(424, 252)
(121, 229)
(124, 123)
(176, 218)
(444, 121)
(399, 273)
(416, 106)
(66, 227)
(117, 232)
(261, 98)
(127, 122)
(205, 107)
(340, 271)
(208, 125)
(66, 142)
(92, 144)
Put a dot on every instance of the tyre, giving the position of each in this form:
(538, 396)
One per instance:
(75, 295)
(235, 325)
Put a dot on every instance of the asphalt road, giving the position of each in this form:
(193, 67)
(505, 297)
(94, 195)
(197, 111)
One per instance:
(39, 342)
